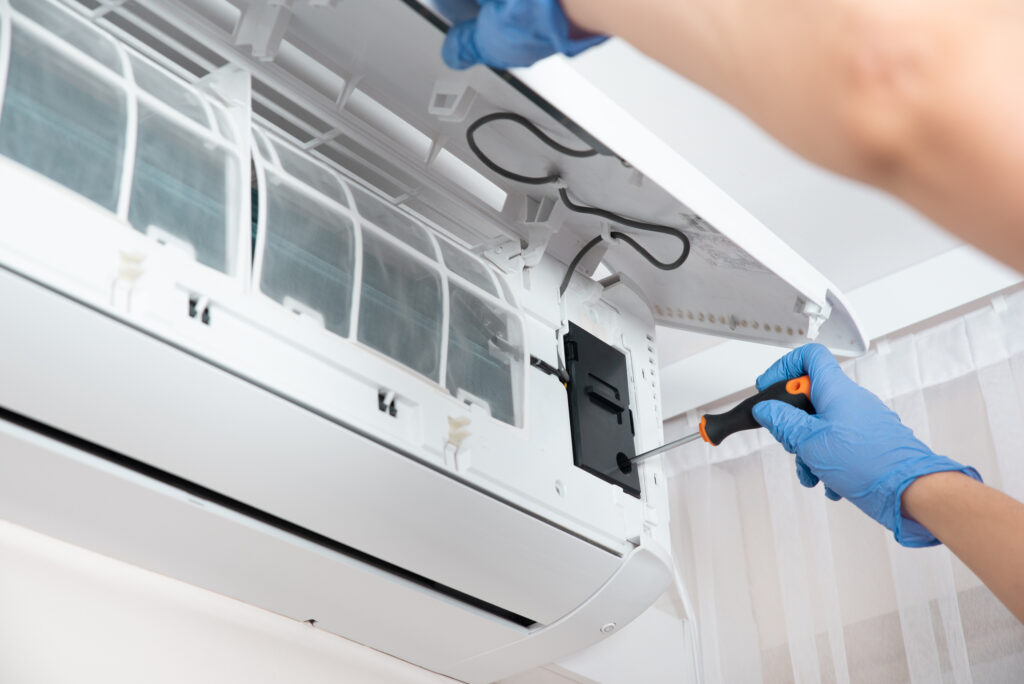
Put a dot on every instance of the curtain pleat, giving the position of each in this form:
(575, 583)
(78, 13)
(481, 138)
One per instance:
(823, 570)
(707, 613)
(1001, 391)
(792, 564)
(824, 594)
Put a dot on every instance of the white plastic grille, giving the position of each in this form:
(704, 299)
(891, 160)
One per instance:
(100, 119)
(365, 270)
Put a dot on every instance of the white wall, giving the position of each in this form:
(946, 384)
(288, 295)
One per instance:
(71, 615)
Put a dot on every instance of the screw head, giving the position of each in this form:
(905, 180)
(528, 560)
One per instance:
(608, 629)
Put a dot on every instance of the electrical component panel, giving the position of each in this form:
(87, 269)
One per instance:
(599, 409)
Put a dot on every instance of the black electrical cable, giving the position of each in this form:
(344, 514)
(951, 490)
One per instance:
(639, 225)
(632, 243)
(547, 368)
(576, 262)
(537, 132)
(567, 201)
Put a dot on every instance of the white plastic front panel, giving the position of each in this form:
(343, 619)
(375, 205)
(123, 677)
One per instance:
(379, 59)
(170, 410)
(198, 542)
(466, 408)
(739, 271)
(195, 352)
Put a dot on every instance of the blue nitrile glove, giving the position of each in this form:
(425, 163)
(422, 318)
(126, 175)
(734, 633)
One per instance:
(508, 33)
(855, 445)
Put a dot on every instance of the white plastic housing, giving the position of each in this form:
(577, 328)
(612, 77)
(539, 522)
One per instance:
(321, 401)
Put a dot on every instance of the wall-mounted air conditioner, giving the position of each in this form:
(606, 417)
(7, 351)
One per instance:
(274, 327)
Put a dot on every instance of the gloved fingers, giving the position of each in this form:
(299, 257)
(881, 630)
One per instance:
(788, 424)
(458, 11)
(810, 359)
(459, 50)
(804, 474)
(813, 360)
(789, 366)
(809, 479)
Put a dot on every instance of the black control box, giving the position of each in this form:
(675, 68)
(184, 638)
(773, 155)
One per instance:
(599, 410)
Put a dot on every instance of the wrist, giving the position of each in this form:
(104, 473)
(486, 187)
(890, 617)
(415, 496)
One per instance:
(923, 504)
(929, 491)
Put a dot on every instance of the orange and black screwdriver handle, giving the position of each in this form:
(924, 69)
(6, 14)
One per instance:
(716, 427)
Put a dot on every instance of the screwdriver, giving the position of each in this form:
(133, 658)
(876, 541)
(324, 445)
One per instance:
(716, 427)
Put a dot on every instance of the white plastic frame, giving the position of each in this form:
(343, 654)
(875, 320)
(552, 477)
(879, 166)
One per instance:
(236, 234)
(267, 167)
(5, 51)
(514, 465)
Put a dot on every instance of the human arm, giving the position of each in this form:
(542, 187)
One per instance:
(981, 525)
(860, 451)
(919, 98)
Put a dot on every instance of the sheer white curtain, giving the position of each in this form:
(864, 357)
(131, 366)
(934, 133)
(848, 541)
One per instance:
(790, 587)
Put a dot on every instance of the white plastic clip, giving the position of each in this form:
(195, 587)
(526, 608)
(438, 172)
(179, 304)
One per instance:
(817, 315)
(538, 209)
(262, 26)
(131, 266)
(457, 432)
(606, 234)
(456, 451)
(452, 99)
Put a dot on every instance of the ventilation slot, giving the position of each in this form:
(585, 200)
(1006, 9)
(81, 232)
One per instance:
(90, 4)
(221, 14)
(363, 164)
(283, 124)
(453, 218)
(166, 44)
(171, 34)
(284, 113)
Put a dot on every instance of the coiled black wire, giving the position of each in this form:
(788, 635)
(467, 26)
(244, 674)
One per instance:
(563, 193)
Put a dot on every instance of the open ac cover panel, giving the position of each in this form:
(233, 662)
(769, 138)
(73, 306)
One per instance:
(278, 332)
(740, 281)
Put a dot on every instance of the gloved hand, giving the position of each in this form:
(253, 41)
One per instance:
(508, 33)
(855, 445)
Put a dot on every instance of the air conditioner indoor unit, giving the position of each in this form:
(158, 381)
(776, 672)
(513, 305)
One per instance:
(284, 319)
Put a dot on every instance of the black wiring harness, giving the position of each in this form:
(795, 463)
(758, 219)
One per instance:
(563, 193)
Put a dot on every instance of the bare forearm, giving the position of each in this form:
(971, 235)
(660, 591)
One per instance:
(799, 68)
(982, 526)
(919, 98)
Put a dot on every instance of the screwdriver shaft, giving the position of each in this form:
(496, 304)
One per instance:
(640, 458)
(716, 427)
